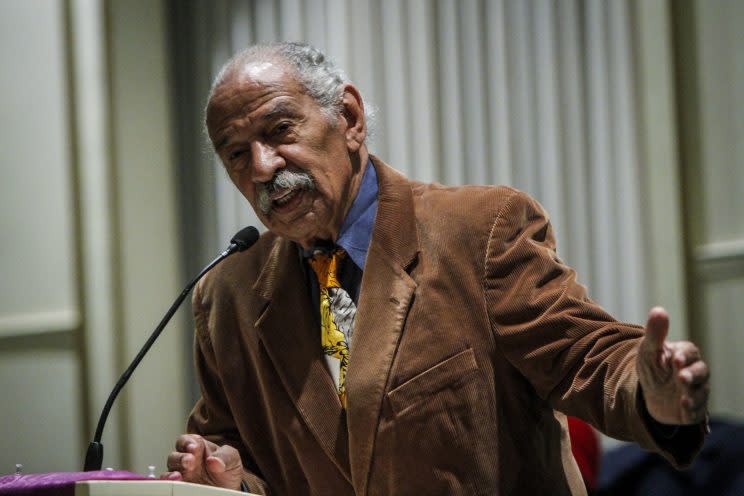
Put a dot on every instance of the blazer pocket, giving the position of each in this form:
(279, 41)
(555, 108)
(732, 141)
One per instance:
(447, 374)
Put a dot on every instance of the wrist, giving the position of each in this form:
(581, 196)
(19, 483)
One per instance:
(657, 428)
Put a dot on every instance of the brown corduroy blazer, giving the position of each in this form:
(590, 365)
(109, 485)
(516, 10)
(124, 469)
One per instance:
(470, 337)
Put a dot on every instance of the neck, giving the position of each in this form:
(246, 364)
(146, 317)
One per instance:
(359, 161)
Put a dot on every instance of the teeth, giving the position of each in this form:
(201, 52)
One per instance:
(285, 198)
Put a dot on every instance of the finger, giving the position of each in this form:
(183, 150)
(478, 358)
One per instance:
(696, 398)
(180, 461)
(695, 374)
(224, 458)
(685, 353)
(657, 329)
(696, 415)
(229, 455)
(171, 476)
(188, 443)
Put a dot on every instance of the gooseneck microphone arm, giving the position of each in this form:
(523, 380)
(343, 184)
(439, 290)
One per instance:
(243, 240)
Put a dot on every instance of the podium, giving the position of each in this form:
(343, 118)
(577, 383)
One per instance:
(102, 483)
(149, 488)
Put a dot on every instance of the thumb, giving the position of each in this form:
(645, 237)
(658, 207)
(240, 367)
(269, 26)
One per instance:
(215, 464)
(224, 467)
(222, 459)
(193, 444)
(657, 329)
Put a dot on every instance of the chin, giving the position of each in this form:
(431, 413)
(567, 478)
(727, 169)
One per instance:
(304, 230)
(300, 236)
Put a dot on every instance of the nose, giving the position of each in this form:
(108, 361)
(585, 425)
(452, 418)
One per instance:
(265, 160)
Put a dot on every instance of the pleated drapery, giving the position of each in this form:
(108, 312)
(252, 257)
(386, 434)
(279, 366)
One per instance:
(537, 94)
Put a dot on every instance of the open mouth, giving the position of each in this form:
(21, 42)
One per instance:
(284, 200)
(284, 197)
(283, 192)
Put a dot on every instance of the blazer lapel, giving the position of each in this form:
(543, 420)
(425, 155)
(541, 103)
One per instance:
(386, 294)
(289, 333)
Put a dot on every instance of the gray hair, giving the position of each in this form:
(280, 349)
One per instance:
(321, 78)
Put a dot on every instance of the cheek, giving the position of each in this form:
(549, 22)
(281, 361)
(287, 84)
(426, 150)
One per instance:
(244, 184)
(336, 184)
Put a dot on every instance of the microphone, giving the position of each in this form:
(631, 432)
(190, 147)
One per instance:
(244, 239)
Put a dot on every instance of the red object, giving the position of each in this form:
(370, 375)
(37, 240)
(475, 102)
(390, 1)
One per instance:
(585, 448)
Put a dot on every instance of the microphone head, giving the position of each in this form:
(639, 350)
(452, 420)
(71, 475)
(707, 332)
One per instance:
(245, 238)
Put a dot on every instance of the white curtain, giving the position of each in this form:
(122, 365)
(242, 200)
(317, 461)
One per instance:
(537, 94)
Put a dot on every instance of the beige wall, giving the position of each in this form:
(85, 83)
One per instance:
(711, 82)
(90, 254)
(40, 315)
(144, 174)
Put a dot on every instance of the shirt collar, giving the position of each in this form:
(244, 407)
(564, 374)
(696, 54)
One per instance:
(356, 230)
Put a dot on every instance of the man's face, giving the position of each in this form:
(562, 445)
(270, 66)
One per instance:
(298, 169)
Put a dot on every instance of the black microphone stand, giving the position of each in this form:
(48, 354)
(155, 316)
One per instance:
(94, 456)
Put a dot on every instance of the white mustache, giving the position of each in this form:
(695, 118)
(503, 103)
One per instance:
(283, 179)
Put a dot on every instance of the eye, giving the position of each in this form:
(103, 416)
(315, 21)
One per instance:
(235, 154)
(281, 128)
(234, 160)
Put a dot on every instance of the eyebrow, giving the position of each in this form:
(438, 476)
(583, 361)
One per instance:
(281, 109)
(222, 142)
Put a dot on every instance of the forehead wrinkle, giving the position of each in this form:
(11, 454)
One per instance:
(282, 108)
(236, 102)
(228, 107)
(233, 95)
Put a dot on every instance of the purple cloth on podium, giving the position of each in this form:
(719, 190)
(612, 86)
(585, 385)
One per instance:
(57, 483)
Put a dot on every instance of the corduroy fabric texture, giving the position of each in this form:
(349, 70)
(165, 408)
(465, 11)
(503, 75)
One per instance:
(471, 337)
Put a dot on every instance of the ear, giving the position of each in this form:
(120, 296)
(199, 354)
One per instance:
(353, 115)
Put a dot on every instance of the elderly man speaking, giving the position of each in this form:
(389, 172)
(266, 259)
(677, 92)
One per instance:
(389, 337)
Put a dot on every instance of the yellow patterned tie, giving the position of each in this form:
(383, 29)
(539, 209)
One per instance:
(337, 312)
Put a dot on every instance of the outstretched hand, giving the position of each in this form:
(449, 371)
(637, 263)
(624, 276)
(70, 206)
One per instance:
(203, 462)
(673, 376)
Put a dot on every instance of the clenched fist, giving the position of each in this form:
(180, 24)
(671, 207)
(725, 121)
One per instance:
(203, 462)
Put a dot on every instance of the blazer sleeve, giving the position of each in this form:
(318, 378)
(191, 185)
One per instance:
(211, 416)
(575, 355)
